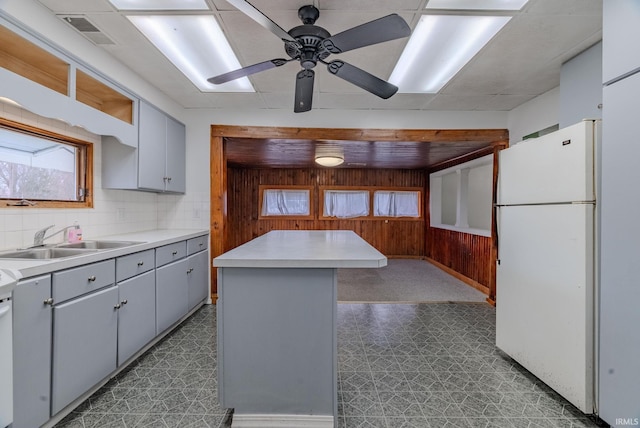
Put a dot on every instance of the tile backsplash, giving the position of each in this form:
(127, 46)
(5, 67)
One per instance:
(114, 211)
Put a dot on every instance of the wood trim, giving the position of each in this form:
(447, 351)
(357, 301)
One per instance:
(430, 135)
(494, 223)
(218, 220)
(264, 187)
(84, 165)
(460, 276)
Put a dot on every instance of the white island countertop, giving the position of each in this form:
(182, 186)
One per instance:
(304, 249)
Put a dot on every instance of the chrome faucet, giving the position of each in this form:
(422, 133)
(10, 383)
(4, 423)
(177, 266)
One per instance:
(39, 237)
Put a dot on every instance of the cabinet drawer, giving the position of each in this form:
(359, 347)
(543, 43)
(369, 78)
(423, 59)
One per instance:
(168, 253)
(134, 264)
(71, 283)
(197, 244)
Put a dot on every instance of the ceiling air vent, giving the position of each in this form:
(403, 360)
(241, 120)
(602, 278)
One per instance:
(87, 29)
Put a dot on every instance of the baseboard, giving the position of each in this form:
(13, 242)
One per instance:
(281, 421)
(475, 284)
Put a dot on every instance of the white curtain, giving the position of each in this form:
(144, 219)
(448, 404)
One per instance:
(396, 204)
(285, 202)
(346, 203)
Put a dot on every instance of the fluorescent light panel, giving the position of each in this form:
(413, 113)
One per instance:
(438, 49)
(160, 4)
(196, 45)
(476, 4)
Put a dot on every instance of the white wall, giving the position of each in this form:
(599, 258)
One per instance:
(535, 115)
(581, 87)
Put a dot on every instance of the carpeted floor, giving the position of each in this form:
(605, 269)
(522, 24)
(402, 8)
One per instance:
(404, 280)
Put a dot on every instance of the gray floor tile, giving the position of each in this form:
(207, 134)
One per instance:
(399, 366)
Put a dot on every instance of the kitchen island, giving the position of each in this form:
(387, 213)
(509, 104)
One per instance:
(277, 308)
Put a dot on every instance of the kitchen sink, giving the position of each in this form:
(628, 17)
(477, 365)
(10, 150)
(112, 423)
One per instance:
(44, 253)
(98, 245)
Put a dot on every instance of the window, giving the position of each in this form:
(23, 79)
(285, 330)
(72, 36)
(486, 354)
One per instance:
(390, 203)
(346, 203)
(285, 201)
(42, 167)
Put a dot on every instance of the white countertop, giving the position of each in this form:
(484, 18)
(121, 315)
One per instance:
(147, 240)
(304, 249)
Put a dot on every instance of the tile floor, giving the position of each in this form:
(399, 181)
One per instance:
(400, 365)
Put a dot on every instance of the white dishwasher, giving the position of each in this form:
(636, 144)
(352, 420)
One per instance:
(8, 280)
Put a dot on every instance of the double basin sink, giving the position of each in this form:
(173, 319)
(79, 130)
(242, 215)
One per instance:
(65, 250)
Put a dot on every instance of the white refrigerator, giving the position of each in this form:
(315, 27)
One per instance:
(546, 272)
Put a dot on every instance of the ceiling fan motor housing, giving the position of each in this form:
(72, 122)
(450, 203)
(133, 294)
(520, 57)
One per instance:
(309, 37)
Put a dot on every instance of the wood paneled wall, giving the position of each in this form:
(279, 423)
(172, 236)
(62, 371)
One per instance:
(467, 255)
(393, 238)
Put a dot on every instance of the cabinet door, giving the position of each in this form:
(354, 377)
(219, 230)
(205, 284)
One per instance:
(171, 294)
(136, 315)
(151, 148)
(176, 156)
(84, 345)
(620, 38)
(31, 352)
(197, 278)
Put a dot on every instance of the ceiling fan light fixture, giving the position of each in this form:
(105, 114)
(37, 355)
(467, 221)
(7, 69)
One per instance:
(440, 46)
(329, 161)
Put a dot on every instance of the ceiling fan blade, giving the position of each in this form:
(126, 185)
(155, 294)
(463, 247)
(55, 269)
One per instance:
(247, 71)
(387, 28)
(362, 79)
(254, 13)
(304, 91)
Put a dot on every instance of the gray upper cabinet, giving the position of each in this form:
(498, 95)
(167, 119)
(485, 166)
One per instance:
(621, 39)
(161, 151)
(158, 163)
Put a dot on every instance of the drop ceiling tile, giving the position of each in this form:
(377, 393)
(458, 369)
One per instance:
(75, 6)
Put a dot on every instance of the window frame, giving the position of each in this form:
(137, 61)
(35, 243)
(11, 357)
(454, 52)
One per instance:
(372, 190)
(263, 187)
(417, 190)
(84, 167)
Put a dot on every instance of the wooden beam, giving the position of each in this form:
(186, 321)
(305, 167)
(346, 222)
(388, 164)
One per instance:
(426, 135)
(218, 226)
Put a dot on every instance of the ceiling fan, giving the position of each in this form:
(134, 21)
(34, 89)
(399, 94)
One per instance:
(310, 44)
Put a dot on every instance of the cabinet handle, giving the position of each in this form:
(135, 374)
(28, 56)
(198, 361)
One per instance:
(174, 253)
(140, 263)
(124, 302)
(190, 270)
(117, 306)
(92, 278)
(169, 178)
(201, 244)
(49, 301)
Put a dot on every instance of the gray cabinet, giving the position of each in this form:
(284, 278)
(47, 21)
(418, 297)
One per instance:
(74, 327)
(156, 165)
(31, 352)
(198, 269)
(197, 278)
(84, 345)
(161, 151)
(171, 294)
(136, 314)
(620, 39)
